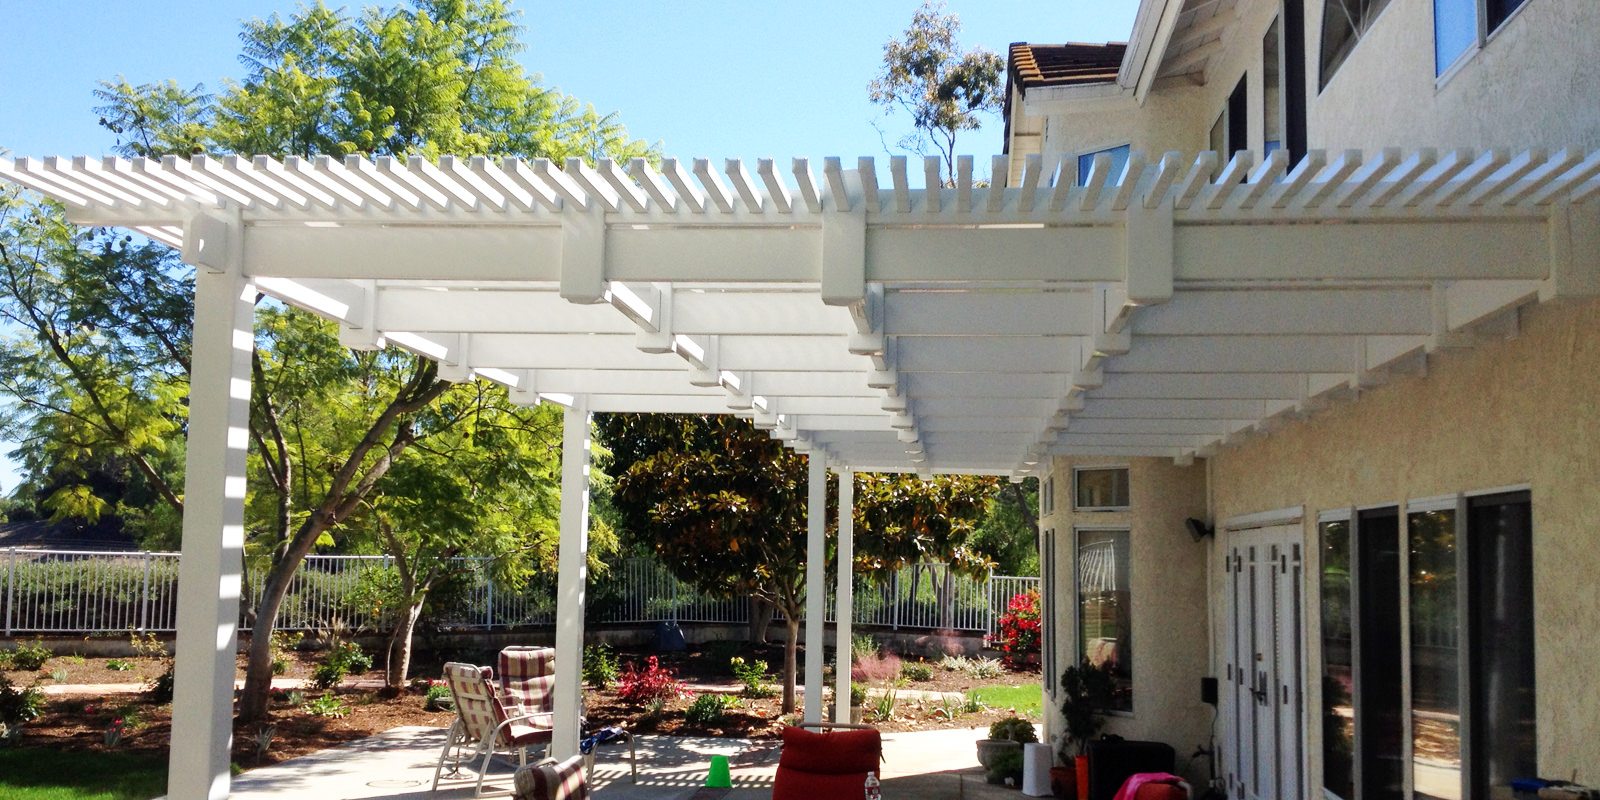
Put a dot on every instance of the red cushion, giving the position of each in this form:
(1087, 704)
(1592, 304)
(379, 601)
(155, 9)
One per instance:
(1161, 791)
(823, 765)
(846, 752)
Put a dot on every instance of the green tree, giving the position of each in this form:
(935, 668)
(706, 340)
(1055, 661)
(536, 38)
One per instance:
(724, 506)
(945, 91)
(1008, 534)
(94, 359)
(425, 78)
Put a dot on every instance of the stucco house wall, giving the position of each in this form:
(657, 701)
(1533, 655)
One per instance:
(1167, 588)
(1517, 92)
(1509, 413)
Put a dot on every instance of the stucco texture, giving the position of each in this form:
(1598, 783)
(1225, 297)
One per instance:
(1531, 85)
(1167, 577)
(1517, 412)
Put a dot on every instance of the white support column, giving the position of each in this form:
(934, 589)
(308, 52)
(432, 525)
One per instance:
(572, 579)
(213, 535)
(844, 597)
(816, 584)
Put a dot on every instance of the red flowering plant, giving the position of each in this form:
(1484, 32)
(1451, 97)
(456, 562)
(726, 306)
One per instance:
(1020, 630)
(653, 683)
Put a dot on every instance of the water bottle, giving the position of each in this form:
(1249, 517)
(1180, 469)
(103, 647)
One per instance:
(872, 791)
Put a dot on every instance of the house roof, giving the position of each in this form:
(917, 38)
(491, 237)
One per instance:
(1070, 64)
(874, 316)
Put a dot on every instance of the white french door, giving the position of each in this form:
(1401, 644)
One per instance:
(1261, 694)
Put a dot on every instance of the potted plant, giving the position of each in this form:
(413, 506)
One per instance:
(1085, 693)
(1006, 736)
(858, 698)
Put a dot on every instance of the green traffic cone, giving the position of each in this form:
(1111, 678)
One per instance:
(718, 777)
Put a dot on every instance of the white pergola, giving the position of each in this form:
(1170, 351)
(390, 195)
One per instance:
(1167, 311)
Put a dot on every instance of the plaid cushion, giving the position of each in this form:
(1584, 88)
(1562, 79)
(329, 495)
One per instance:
(476, 703)
(528, 679)
(551, 780)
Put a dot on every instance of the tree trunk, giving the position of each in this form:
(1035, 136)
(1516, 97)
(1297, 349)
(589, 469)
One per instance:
(399, 660)
(790, 661)
(760, 620)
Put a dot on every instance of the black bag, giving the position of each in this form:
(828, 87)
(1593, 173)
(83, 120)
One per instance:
(1113, 760)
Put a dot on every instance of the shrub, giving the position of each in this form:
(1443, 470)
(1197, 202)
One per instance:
(876, 668)
(19, 705)
(1020, 629)
(985, 668)
(283, 643)
(59, 675)
(970, 704)
(654, 682)
(146, 645)
(119, 665)
(1006, 766)
(343, 659)
(708, 709)
(862, 644)
(600, 666)
(858, 695)
(326, 706)
(1016, 729)
(753, 674)
(327, 676)
(159, 688)
(954, 663)
(438, 698)
(30, 656)
(919, 671)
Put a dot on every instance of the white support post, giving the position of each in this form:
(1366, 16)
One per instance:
(573, 576)
(844, 597)
(816, 585)
(209, 574)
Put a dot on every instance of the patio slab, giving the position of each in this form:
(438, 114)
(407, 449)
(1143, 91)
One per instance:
(399, 763)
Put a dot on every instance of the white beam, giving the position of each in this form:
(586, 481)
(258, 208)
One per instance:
(844, 598)
(572, 579)
(210, 572)
(816, 586)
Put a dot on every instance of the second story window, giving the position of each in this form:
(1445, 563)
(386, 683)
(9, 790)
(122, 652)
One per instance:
(1456, 31)
(1345, 22)
(1119, 162)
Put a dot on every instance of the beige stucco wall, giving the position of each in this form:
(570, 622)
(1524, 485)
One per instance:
(1513, 412)
(1167, 577)
(1533, 84)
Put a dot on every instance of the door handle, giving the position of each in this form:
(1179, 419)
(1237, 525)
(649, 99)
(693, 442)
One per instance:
(1258, 688)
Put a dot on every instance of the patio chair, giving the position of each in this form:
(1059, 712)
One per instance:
(820, 764)
(528, 679)
(551, 780)
(483, 724)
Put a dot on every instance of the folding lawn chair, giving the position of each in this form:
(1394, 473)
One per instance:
(483, 724)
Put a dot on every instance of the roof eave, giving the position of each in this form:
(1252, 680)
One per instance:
(1147, 45)
(1077, 98)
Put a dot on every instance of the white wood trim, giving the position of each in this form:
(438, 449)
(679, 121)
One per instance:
(1264, 519)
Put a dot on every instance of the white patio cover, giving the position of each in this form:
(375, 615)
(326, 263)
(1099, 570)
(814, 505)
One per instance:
(1163, 311)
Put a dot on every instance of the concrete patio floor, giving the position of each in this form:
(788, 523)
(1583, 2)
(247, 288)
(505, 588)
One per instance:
(399, 764)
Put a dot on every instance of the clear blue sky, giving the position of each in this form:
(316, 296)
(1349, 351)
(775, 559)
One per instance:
(721, 79)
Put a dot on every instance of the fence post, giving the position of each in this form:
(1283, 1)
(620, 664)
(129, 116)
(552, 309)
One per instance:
(11, 589)
(488, 611)
(144, 594)
(894, 591)
(988, 630)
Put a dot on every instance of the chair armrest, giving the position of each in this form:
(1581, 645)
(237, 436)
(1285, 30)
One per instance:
(550, 779)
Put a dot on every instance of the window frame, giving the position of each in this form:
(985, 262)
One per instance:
(1325, 73)
(1101, 468)
(1485, 35)
(1078, 654)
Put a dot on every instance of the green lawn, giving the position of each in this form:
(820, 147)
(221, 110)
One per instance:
(1027, 699)
(35, 774)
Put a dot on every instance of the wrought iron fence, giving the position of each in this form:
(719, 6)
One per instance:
(60, 591)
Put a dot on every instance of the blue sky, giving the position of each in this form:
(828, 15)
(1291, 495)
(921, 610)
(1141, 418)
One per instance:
(721, 79)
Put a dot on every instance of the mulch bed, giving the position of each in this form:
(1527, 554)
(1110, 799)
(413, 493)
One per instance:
(79, 722)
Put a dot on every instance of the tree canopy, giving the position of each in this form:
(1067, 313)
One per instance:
(725, 507)
(925, 74)
(347, 447)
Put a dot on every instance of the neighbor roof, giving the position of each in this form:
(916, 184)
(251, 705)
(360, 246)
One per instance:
(1068, 64)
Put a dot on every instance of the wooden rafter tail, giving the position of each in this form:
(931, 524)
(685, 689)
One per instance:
(833, 174)
(712, 183)
(777, 190)
(1128, 183)
(623, 185)
(690, 194)
(744, 185)
(806, 184)
(867, 171)
(902, 187)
